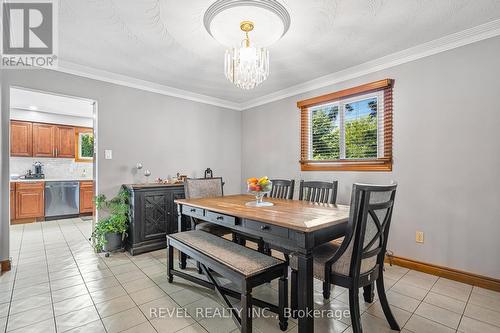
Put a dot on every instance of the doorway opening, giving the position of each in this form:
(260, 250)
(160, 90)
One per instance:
(52, 160)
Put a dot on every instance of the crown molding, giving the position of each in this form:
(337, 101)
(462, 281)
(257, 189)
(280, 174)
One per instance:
(449, 42)
(446, 43)
(123, 80)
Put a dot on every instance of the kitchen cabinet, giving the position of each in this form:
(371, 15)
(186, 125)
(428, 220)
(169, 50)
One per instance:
(86, 197)
(65, 141)
(44, 140)
(29, 200)
(153, 215)
(12, 201)
(21, 138)
(29, 139)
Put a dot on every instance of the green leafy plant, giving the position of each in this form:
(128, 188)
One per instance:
(116, 219)
(87, 145)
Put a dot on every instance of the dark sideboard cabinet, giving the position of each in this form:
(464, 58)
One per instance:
(153, 215)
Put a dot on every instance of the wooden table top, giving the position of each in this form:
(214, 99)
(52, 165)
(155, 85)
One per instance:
(293, 214)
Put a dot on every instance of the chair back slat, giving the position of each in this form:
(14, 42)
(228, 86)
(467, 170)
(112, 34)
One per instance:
(282, 189)
(318, 192)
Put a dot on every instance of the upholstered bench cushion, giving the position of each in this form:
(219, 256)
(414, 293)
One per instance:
(324, 252)
(246, 261)
(213, 228)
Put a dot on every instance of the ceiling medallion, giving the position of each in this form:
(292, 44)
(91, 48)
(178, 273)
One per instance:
(246, 65)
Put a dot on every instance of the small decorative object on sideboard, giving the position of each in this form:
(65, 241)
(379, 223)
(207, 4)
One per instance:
(259, 187)
(147, 173)
(138, 166)
(209, 173)
(180, 178)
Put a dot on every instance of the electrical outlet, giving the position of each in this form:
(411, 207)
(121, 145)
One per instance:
(419, 237)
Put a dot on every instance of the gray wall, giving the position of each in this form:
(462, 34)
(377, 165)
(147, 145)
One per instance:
(446, 155)
(167, 134)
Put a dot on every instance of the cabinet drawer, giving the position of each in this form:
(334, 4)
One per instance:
(267, 228)
(192, 211)
(220, 218)
(30, 186)
(86, 183)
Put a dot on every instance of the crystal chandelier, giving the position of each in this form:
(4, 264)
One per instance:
(247, 66)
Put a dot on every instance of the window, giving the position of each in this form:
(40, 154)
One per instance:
(84, 145)
(348, 130)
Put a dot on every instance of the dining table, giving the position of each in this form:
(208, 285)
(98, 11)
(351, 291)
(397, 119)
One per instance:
(289, 226)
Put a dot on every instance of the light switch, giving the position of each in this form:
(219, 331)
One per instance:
(108, 154)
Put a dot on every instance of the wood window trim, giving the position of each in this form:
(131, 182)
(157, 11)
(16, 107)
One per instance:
(379, 164)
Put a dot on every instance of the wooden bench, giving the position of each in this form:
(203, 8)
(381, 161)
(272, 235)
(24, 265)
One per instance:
(245, 267)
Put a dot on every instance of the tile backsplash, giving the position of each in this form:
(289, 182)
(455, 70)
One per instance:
(60, 168)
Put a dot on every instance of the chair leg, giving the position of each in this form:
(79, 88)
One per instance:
(182, 260)
(369, 293)
(267, 250)
(283, 300)
(260, 246)
(246, 313)
(294, 295)
(170, 262)
(354, 309)
(327, 287)
(198, 265)
(385, 304)
(287, 257)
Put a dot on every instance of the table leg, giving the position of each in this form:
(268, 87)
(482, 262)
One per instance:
(305, 293)
(181, 227)
(369, 293)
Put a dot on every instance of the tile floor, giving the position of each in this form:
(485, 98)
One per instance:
(58, 284)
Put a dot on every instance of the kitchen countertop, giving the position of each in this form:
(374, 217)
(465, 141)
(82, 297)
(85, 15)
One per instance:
(50, 180)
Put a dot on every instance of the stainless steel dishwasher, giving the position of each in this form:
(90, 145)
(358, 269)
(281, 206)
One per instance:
(62, 198)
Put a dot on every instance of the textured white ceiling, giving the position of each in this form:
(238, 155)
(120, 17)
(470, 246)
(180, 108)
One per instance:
(165, 42)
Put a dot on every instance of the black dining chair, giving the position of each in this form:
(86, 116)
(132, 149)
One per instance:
(282, 189)
(359, 261)
(318, 192)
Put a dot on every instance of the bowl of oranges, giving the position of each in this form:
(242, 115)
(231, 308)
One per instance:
(259, 187)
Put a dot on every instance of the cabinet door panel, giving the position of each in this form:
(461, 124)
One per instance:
(12, 201)
(43, 140)
(86, 197)
(155, 215)
(21, 138)
(65, 142)
(29, 204)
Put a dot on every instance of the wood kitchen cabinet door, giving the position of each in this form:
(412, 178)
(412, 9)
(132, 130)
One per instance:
(12, 201)
(30, 200)
(44, 140)
(65, 141)
(21, 138)
(86, 197)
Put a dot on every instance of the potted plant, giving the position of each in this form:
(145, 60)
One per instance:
(111, 230)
